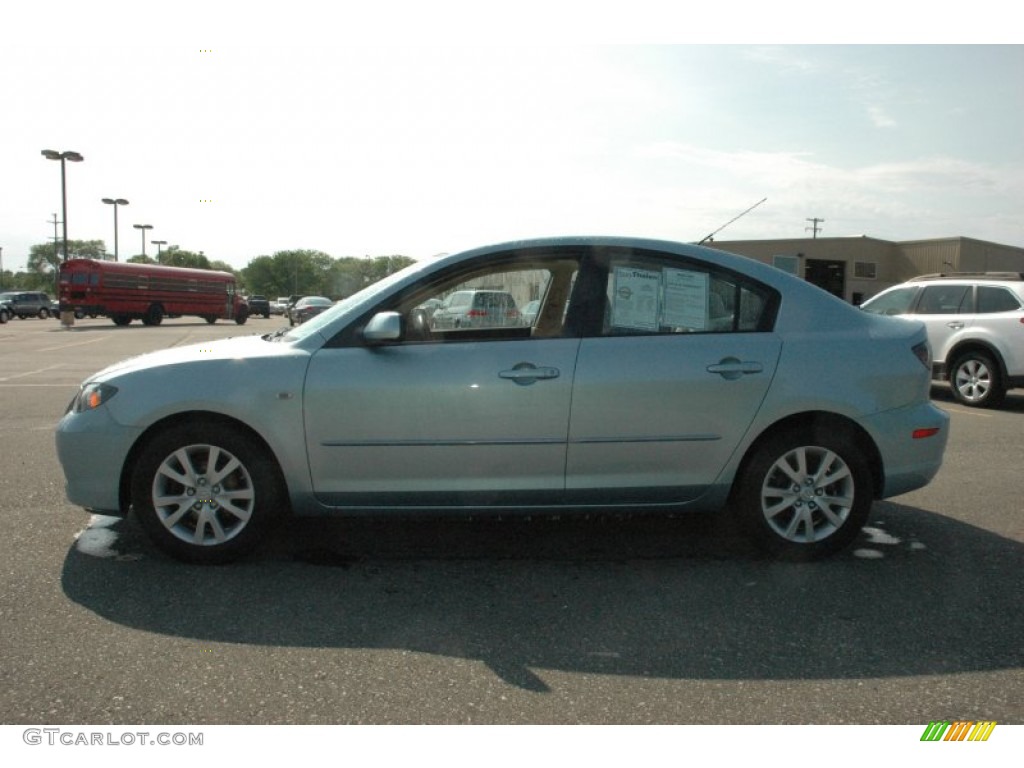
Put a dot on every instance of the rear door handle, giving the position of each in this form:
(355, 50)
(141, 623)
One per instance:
(732, 368)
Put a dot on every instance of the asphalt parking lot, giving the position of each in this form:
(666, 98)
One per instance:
(612, 620)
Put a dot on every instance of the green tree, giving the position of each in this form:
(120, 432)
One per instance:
(223, 266)
(304, 271)
(179, 257)
(47, 256)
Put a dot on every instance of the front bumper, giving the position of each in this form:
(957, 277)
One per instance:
(92, 449)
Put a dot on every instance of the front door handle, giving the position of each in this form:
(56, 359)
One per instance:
(527, 373)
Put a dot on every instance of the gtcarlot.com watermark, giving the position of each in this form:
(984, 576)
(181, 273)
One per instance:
(54, 737)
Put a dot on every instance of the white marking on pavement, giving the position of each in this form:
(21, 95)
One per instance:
(30, 373)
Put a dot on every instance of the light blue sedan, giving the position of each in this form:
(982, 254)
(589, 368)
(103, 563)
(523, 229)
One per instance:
(655, 375)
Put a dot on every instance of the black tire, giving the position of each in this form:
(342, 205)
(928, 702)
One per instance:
(212, 518)
(44, 313)
(121, 319)
(211, 319)
(79, 314)
(976, 381)
(3, 317)
(241, 317)
(804, 494)
(154, 315)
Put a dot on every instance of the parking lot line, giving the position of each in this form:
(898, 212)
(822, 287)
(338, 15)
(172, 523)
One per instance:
(30, 373)
(74, 344)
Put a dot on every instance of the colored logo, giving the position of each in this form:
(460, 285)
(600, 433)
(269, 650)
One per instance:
(958, 730)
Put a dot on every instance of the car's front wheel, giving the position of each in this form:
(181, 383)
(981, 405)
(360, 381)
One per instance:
(804, 494)
(976, 381)
(206, 493)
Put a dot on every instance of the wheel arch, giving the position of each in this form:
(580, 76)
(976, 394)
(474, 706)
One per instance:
(974, 345)
(827, 423)
(206, 418)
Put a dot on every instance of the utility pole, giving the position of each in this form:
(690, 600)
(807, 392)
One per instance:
(56, 237)
(814, 227)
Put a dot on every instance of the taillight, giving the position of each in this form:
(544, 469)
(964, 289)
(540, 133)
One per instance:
(923, 352)
(477, 313)
(919, 434)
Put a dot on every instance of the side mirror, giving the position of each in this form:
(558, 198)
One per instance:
(383, 327)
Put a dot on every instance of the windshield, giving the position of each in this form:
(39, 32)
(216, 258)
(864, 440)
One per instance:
(326, 317)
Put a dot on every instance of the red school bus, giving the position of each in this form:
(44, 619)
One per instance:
(124, 291)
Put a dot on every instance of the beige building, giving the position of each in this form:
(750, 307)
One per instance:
(856, 268)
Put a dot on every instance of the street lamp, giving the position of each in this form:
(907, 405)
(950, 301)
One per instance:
(159, 249)
(142, 229)
(74, 157)
(115, 202)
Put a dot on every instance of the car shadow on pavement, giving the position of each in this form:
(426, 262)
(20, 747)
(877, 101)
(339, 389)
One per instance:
(918, 594)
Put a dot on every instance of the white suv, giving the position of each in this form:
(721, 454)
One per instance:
(975, 324)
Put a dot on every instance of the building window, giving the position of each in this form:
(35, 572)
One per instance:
(865, 270)
(789, 264)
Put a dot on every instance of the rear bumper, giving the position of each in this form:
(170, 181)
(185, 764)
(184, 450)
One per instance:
(909, 462)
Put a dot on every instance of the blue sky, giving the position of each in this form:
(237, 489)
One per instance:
(244, 144)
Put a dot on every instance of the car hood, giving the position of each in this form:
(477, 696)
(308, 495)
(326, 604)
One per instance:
(222, 350)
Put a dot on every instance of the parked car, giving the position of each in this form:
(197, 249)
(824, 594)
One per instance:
(477, 309)
(27, 303)
(280, 305)
(629, 393)
(975, 325)
(307, 307)
(530, 312)
(258, 305)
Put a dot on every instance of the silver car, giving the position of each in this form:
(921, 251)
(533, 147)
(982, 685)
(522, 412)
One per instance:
(476, 309)
(656, 375)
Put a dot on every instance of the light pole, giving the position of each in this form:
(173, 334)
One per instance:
(51, 154)
(142, 229)
(159, 248)
(115, 202)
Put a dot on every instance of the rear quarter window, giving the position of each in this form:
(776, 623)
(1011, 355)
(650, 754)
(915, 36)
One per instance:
(993, 298)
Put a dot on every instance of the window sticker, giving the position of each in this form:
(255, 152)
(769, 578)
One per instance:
(686, 299)
(635, 299)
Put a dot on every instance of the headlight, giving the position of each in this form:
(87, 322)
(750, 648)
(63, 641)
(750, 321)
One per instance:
(92, 396)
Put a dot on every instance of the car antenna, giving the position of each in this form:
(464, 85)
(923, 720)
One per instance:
(730, 221)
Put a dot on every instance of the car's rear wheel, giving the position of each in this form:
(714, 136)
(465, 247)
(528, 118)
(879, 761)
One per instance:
(976, 381)
(154, 315)
(206, 493)
(805, 494)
